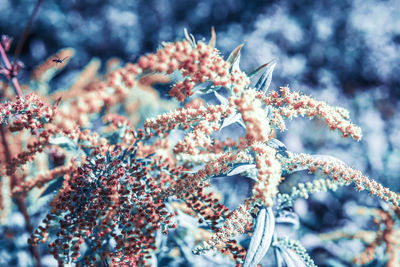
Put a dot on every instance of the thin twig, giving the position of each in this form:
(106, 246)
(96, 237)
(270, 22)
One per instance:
(27, 29)
(8, 65)
(20, 200)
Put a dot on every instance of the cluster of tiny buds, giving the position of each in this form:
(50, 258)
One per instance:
(43, 178)
(28, 112)
(108, 189)
(198, 64)
(291, 104)
(183, 118)
(254, 116)
(238, 221)
(340, 172)
(269, 174)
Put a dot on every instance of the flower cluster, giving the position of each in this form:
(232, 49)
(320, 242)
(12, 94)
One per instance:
(291, 104)
(341, 173)
(29, 112)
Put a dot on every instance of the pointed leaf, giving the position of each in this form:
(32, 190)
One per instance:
(265, 80)
(64, 142)
(259, 70)
(279, 146)
(241, 122)
(255, 238)
(235, 64)
(235, 54)
(261, 238)
(190, 38)
(252, 175)
(275, 143)
(267, 236)
(53, 187)
(213, 39)
(240, 169)
(193, 39)
(205, 88)
(187, 37)
(231, 119)
(222, 99)
(278, 256)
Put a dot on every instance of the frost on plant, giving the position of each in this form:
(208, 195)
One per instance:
(123, 185)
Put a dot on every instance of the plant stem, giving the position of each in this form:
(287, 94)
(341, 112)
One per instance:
(20, 200)
(27, 29)
(14, 80)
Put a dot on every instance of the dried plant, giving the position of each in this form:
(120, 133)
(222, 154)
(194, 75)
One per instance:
(119, 178)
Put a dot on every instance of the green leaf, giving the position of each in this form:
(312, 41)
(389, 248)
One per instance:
(257, 71)
(278, 146)
(234, 57)
(223, 100)
(231, 119)
(205, 88)
(261, 238)
(213, 39)
(190, 38)
(53, 187)
(240, 169)
(64, 142)
(265, 80)
(68, 144)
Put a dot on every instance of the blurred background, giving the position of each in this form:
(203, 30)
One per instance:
(344, 52)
